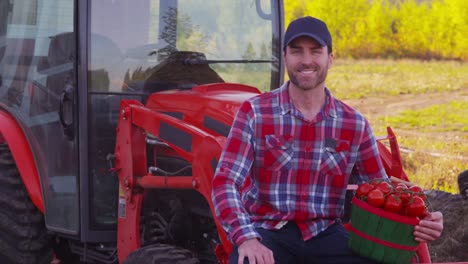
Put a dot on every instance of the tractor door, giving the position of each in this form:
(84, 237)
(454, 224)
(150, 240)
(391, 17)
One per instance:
(136, 48)
(38, 87)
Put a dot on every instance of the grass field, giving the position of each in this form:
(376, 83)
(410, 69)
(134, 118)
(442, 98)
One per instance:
(425, 103)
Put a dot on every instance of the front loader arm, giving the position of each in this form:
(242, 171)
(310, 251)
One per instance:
(195, 145)
(391, 159)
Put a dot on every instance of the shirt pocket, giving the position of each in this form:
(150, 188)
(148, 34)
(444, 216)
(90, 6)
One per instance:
(278, 153)
(335, 158)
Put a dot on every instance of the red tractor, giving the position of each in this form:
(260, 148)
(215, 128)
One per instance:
(113, 115)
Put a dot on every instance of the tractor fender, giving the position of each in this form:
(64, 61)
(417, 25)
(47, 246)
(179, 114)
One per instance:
(12, 134)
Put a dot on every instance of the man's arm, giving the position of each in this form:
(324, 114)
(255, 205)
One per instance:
(233, 168)
(255, 252)
(369, 165)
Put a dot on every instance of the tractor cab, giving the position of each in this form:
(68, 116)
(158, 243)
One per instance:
(65, 66)
(135, 49)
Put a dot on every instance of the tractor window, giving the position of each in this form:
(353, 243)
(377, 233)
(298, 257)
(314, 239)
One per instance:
(140, 47)
(135, 44)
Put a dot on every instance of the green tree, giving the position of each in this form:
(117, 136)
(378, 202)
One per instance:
(426, 29)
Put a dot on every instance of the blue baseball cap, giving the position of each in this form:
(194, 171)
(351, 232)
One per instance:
(310, 27)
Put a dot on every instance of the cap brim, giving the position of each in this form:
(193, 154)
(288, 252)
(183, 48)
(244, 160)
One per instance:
(315, 37)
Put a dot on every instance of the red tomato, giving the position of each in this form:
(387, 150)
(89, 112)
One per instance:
(417, 190)
(416, 207)
(392, 203)
(424, 214)
(401, 184)
(375, 198)
(400, 188)
(375, 182)
(404, 193)
(385, 187)
(363, 190)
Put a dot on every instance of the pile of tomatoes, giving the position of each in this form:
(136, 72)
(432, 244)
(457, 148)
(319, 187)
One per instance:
(394, 197)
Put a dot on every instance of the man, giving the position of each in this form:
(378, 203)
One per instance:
(280, 185)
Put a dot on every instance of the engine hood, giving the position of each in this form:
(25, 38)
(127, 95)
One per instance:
(211, 107)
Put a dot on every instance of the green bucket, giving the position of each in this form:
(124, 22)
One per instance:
(380, 235)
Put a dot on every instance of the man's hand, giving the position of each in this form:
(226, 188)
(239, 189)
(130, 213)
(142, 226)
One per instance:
(255, 252)
(429, 228)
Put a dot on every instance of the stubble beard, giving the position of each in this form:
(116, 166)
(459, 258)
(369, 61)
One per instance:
(308, 84)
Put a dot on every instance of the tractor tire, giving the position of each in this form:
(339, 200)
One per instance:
(161, 254)
(23, 236)
(463, 184)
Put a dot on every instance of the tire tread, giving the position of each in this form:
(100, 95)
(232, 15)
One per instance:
(23, 235)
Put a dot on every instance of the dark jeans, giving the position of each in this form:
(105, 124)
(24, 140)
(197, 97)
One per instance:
(329, 246)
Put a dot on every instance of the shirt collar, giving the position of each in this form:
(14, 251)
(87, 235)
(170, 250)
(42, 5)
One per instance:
(286, 105)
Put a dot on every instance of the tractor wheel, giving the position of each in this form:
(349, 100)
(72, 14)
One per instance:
(463, 184)
(23, 236)
(161, 254)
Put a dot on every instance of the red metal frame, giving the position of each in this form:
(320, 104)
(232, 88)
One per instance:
(12, 133)
(391, 159)
(131, 167)
(218, 101)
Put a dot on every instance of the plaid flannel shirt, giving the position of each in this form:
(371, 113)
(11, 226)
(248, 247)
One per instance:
(278, 167)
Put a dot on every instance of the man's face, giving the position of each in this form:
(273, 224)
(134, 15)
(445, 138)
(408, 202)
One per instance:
(307, 63)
